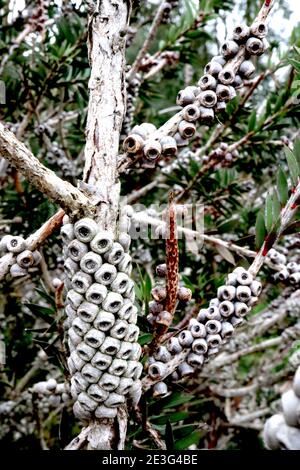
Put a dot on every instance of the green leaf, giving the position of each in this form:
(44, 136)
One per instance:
(297, 150)
(282, 187)
(146, 338)
(293, 165)
(276, 206)
(260, 230)
(226, 254)
(269, 212)
(169, 438)
(189, 440)
(252, 121)
(177, 399)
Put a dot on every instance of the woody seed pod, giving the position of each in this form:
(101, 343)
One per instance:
(109, 382)
(77, 249)
(15, 244)
(197, 329)
(190, 113)
(85, 352)
(223, 93)
(236, 321)
(71, 267)
(169, 145)
(97, 393)
(90, 262)
(186, 129)
(85, 230)
(120, 283)
(104, 321)
(132, 333)
(159, 293)
(238, 82)
(295, 278)
(241, 33)
(247, 68)
(180, 141)
(74, 298)
(164, 318)
(226, 76)
(102, 242)
(117, 367)
(119, 329)
(185, 338)
(185, 369)
(207, 98)
(199, 346)
(243, 293)
(254, 46)
(124, 240)
(207, 115)
(125, 350)
(207, 82)
(94, 338)
(213, 327)
(184, 294)
(81, 282)
(101, 361)
(220, 106)
(162, 354)
(256, 288)
(213, 312)
(133, 143)
(227, 330)
(106, 274)
(240, 309)
(259, 29)
(115, 254)
(103, 411)
(213, 68)
(152, 150)
(17, 271)
(157, 370)
(186, 96)
(160, 389)
(226, 308)
(195, 360)
(110, 346)
(114, 400)
(80, 327)
(214, 341)
(87, 402)
(244, 278)
(173, 346)
(229, 49)
(67, 233)
(87, 311)
(96, 293)
(113, 302)
(228, 292)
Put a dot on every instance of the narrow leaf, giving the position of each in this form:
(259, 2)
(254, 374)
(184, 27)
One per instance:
(276, 206)
(293, 165)
(297, 150)
(252, 121)
(226, 254)
(269, 212)
(260, 230)
(169, 438)
(282, 187)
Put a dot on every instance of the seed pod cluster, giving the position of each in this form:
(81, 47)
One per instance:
(282, 431)
(24, 258)
(101, 320)
(223, 76)
(51, 393)
(132, 91)
(56, 156)
(168, 7)
(222, 154)
(289, 272)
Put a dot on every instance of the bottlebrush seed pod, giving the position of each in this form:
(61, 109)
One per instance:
(103, 411)
(238, 82)
(294, 278)
(292, 267)
(97, 393)
(127, 309)
(114, 400)
(244, 278)
(227, 330)
(94, 338)
(77, 361)
(79, 381)
(223, 93)
(241, 33)
(191, 113)
(174, 346)
(207, 98)
(184, 294)
(243, 293)
(101, 361)
(201, 317)
(15, 244)
(77, 249)
(199, 346)
(81, 282)
(74, 337)
(214, 340)
(90, 262)
(130, 291)
(162, 354)
(186, 129)
(180, 141)
(187, 96)
(124, 385)
(96, 293)
(226, 76)
(168, 146)
(106, 274)
(254, 46)
(164, 318)
(115, 254)
(213, 68)
(70, 312)
(291, 408)
(74, 298)
(85, 352)
(197, 329)
(213, 312)
(220, 106)
(136, 352)
(147, 127)
(161, 270)
(117, 367)
(132, 333)
(119, 330)
(109, 382)
(88, 311)
(135, 392)
(133, 316)
(124, 240)
(80, 412)
(113, 302)
(159, 293)
(133, 143)
(102, 242)
(157, 370)
(110, 346)
(36, 257)
(104, 321)
(185, 369)
(228, 292)
(229, 49)
(256, 288)
(226, 308)
(120, 283)
(67, 233)
(195, 360)
(247, 69)
(152, 150)
(160, 390)
(71, 267)
(240, 309)
(213, 327)
(155, 307)
(125, 350)
(87, 402)
(236, 321)
(80, 326)
(220, 59)
(85, 230)
(259, 29)
(214, 302)
(17, 271)
(4, 241)
(296, 382)
(185, 338)
(207, 115)
(207, 82)
(271, 429)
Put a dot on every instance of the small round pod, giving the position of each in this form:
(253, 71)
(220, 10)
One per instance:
(15, 244)
(104, 412)
(236, 321)
(227, 76)
(169, 145)
(185, 338)
(212, 351)
(119, 330)
(292, 267)
(164, 318)
(207, 98)
(80, 412)
(67, 233)
(199, 346)
(244, 278)
(160, 390)
(220, 107)
(241, 309)
(254, 46)
(74, 337)
(132, 333)
(196, 328)
(133, 143)
(85, 230)
(81, 282)
(214, 302)
(25, 259)
(109, 382)
(186, 129)
(124, 385)
(80, 327)
(125, 265)
(259, 29)
(229, 49)
(134, 369)
(213, 312)
(224, 93)
(125, 350)
(79, 382)
(120, 283)
(191, 113)
(104, 321)
(87, 311)
(213, 327)
(296, 382)
(237, 82)
(226, 308)
(187, 96)
(77, 249)
(94, 338)
(241, 33)
(114, 400)
(214, 340)
(106, 274)
(96, 293)
(227, 330)
(97, 393)
(184, 294)
(70, 267)
(162, 354)
(174, 346)
(115, 254)
(125, 312)
(161, 270)
(247, 69)
(152, 150)
(220, 59)
(157, 370)
(291, 408)
(256, 288)
(294, 278)
(110, 346)
(85, 352)
(90, 262)
(87, 402)
(70, 312)
(135, 392)
(117, 367)
(185, 369)
(16, 270)
(75, 363)
(101, 361)
(146, 127)
(129, 294)
(201, 317)
(74, 298)
(4, 241)
(207, 115)
(195, 360)
(136, 352)
(159, 293)
(213, 68)
(243, 293)
(228, 292)
(207, 82)
(113, 302)
(271, 429)
(102, 242)
(124, 239)
(180, 141)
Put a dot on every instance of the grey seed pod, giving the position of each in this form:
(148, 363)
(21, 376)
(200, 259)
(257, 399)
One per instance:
(227, 76)
(115, 254)
(80, 327)
(220, 59)
(134, 369)
(97, 393)
(67, 233)
(124, 385)
(152, 150)
(199, 346)
(206, 115)
(51, 384)
(94, 338)
(195, 360)
(71, 345)
(243, 293)
(135, 392)
(254, 46)
(186, 129)
(74, 337)
(148, 128)
(160, 390)
(136, 352)
(133, 316)
(77, 362)
(125, 312)
(190, 113)
(125, 265)
(104, 321)
(74, 298)
(244, 278)
(119, 330)
(155, 307)
(102, 242)
(101, 361)
(197, 329)
(161, 270)
(80, 412)
(3, 242)
(137, 372)
(168, 146)
(241, 33)
(296, 382)
(214, 340)
(214, 302)
(247, 69)
(207, 82)
(120, 283)
(36, 257)
(185, 369)
(212, 351)
(132, 333)
(228, 292)
(79, 383)
(271, 429)
(175, 376)
(201, 317)
(114, 400)
(157, 370)
(239, 270)
(227, 330)
(17, 271)
(213, 68)
(124, 240)
(124, 223)
(291, 408)
(125, 350)
(87, 402)
(66, 219)
(292, 266)
(96, 293)
(184, 294)
(140, 130)
(81, 282)
(174, 346)
(226, 308)
(241, 309)
(186, 96)
(85, 352)
(207, 98)
(229, 49)
(25, 259)
(223, 93)
(133, 143)
(159, 293)
(295, 278)
(91, 262)
(88, 311)
(256, 288)
(162, 354)
(213, 327)
(213, 313)
(109, 382)
(220, 106)
(71, 267)
(76, 250)
(110, 346)
(117, 367)
(238, 82)
(106, 274)
(15, 244)
(103, 411)
(180, 143)
(91, 374)
(70, 312)
(113, 302)
(130, 291)
(41, 388)
(259, 29)
(236, 321)
(185, 338)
